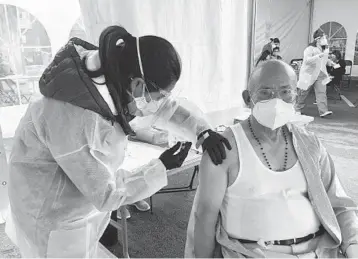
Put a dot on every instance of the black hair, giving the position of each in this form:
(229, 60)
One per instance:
(263, 56)
(337, 53)
(119, 64)
(317, 34)
(275, 40)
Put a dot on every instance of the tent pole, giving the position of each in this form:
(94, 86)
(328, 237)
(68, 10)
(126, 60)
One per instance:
(4, 180)
(310, 21)
(251, 18)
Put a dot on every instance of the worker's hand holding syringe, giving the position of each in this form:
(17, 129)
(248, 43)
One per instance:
(176, 155)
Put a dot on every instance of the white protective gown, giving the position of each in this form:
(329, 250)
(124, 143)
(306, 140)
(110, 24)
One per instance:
(311, 68)
(66, 176)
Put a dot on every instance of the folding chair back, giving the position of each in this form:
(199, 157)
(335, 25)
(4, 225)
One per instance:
(348, 74)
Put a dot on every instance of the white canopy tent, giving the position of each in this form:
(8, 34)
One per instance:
(288, 20)
(218, 40)
(210, 36)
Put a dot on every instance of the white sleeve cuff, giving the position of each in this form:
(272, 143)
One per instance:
(156, 176)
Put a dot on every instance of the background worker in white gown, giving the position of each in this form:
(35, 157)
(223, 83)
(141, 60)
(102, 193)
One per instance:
(313, 74)
(65, 165)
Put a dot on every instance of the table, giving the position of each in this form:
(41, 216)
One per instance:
(138, 154)
(191, 162)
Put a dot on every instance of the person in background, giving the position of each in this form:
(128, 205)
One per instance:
(337, 68)
(276, 53)
(277, 195)
(265, 55)
(274, 43)
(313, 74)
(65, 165)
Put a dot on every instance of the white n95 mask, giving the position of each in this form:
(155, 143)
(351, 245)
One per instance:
(273, 113)
(145, 108)
(323, 41)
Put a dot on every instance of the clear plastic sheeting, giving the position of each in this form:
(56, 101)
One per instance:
(180, 117)
(210, 36)
(31, 32)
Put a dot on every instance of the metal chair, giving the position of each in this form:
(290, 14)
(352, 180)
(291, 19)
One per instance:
(296, 65)
(348, 74)
(124, 232)
(337, 89)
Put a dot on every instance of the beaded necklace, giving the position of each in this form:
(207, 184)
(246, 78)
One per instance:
(262, 149)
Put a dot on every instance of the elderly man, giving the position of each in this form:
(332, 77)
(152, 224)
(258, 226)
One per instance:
(277, 194)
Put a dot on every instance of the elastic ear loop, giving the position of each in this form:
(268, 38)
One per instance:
(139, 58)
(141, 67)
(140, 62)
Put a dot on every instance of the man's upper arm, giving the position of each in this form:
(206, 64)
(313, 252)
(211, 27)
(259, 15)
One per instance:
(213, 183)
(213, 180)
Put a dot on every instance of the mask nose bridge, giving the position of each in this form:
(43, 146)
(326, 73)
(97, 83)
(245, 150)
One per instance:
(275, 93)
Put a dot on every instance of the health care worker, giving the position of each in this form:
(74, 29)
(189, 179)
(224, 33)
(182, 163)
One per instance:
(313, 73)
(65, 166)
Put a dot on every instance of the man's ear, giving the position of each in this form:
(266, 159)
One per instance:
(246, 97)
(136, 86)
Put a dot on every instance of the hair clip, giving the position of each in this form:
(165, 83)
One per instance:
(120, 42)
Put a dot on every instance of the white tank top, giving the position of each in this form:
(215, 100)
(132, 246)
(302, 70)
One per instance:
(264, 204)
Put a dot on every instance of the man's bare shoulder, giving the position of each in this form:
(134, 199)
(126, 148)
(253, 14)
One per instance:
(233, 161)
(232, 156)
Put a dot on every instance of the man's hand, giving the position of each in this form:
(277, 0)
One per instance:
(215, 144)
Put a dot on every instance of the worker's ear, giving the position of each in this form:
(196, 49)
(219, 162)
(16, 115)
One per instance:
(136, 86)
(246, 97)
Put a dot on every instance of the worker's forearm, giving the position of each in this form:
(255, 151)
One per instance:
(204, 238)
(311, 59)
